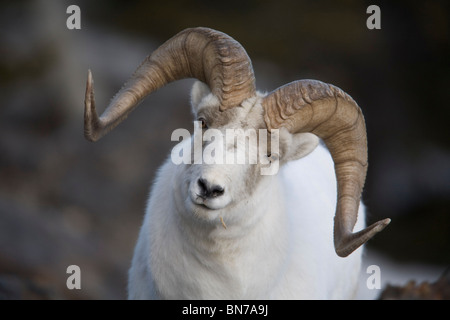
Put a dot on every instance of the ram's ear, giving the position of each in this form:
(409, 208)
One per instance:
(198, 92)
(297, 145)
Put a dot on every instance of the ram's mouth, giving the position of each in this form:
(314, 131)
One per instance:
(204, 203)
(199, 201)
(204, 212)
(210, 204)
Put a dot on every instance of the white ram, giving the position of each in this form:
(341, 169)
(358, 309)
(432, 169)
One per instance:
(225, 231)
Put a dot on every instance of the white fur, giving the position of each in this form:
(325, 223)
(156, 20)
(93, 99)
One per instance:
(277, 243)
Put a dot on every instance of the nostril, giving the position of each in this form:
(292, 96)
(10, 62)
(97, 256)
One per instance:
(208, 191)
(217, 191)
(203, 186)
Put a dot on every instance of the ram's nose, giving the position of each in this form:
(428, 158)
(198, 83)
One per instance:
(209, 190)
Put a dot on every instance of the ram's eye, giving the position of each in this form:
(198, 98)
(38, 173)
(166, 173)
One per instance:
(273, 157)
(203, 124)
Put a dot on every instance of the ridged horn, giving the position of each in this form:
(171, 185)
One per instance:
(331, 114)
(205, 54)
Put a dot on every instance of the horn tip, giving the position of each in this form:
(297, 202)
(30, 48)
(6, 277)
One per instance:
(91, 121)
(89, 84)
(89, 77)
(383, 223)
(350, 242)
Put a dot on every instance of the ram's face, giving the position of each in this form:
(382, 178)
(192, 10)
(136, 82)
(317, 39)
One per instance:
(225, 152)
(232, 152)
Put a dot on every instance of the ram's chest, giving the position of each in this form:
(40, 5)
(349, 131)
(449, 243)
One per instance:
(212, 278)
(189, 274)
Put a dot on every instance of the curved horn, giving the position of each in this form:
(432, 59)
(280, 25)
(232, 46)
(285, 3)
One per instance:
(208, 55)
(331, 114)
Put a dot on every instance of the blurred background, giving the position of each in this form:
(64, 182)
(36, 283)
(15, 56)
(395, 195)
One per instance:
(64, 200)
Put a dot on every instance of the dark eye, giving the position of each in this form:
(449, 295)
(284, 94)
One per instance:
(203, 124)
(273, 156)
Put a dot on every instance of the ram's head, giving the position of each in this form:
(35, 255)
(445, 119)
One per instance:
(304, 109)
